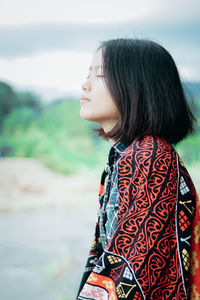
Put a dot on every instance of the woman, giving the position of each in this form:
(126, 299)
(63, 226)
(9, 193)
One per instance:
(146, 243)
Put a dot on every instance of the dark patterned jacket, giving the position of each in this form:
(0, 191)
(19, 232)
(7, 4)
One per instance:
(147, 235)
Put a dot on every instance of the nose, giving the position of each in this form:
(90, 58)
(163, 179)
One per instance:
(86, 86)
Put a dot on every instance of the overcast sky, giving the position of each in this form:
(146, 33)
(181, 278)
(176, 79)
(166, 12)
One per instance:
(48, 45)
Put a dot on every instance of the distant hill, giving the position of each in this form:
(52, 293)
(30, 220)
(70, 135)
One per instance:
(192, 88)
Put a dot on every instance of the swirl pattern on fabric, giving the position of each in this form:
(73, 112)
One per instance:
(149, 255)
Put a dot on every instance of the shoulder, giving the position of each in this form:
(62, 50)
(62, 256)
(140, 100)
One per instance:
(148, 167)
(149, 146)
(148, 156)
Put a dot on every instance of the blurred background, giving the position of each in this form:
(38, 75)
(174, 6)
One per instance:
(50, 159)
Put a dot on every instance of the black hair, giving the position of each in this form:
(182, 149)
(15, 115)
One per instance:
(143, 80)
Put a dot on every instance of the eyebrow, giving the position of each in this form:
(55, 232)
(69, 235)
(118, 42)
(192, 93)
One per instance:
(95, 67)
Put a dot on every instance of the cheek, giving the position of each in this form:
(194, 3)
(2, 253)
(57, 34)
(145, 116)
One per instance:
(111, 107)
(111, 111)
(99, 111)
(101, 107)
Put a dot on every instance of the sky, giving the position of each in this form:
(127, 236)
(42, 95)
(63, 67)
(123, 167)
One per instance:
(47, 46)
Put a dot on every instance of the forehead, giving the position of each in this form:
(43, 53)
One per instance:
(96, 62)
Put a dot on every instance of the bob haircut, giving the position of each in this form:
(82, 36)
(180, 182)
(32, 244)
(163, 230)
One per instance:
(143, 80)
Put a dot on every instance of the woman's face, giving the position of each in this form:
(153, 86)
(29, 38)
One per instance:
(100, 107)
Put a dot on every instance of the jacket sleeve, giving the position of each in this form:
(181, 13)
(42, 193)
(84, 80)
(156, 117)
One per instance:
(94, 255)
(96, 249)
(148, 255)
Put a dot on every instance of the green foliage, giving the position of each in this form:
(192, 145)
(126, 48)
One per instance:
(20, 117)
(56, 135)
(7, 101)
(189, 149)
(29, 100)
(12, 104)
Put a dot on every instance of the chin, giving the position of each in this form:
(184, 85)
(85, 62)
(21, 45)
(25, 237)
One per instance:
(88, 117)
(85, 116)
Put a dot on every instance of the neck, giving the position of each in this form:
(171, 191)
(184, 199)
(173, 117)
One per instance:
(112, 141)
(107, 128)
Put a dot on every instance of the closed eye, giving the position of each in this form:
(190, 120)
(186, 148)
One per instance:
(96, 76)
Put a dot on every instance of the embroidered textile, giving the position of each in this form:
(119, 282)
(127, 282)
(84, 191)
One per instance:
(152, 248)
(108, 210)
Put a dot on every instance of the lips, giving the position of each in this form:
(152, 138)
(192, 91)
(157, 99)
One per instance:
(84, 100)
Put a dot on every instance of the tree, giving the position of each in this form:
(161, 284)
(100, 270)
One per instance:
(7, 101)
